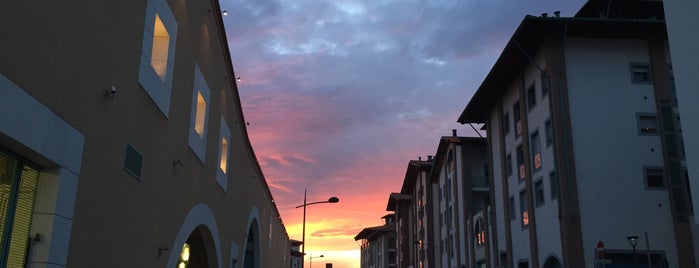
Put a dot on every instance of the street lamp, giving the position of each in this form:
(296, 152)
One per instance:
(311, 259)
(303, 238)
(633, 241)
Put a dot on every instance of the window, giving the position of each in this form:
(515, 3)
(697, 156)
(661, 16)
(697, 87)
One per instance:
(520, 163)
(549, 132)
(539, 193)
(545, 85)
(523, 208)
(647, 124)
(224, 150)
(536, 150)
(553, 180)
(515, 116)
(513, 213)
(133, 161)
(506, 123)
(508, 163)
(18, 191)
(158, 53)
(654, 177)
(479, 233)
(199, 119)
(531, 97)
(450, 160)
(640, 73)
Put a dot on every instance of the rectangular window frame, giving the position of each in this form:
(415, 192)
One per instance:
(545, 85)
(548, 127)
(506, 123)
(535, 148)
(524, 212)
(539, 194)
(197, 142)
(553, 184)
(158, 86)
(508, 164)
(513, 210)
(637, 68)
(516, 119)
(222, 175)
(531, 97)
(643, 129)
(647, 170)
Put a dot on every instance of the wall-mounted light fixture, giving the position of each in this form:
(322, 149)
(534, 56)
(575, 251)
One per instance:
(109, 93)
(225, 12)
(238, 79)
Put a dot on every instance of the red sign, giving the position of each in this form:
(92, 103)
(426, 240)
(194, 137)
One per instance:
(600, 250)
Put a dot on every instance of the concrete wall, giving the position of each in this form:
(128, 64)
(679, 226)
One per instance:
(65, 56)
(609, 152)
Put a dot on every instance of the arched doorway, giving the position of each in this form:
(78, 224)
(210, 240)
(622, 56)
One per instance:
(252, 247)
(197, 250)
(552, 262)
(196, 244)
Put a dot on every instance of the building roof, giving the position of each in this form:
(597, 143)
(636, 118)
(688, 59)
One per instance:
(371, 232)
(441, 154)
(394, 198)
(411, 174)
(532, 33)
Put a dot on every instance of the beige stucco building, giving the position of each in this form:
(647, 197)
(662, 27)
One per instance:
(123, 143)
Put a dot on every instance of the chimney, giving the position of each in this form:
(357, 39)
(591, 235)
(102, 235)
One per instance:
(557, 14)
(419, 158)
(429, 158)
(453, 132)
(544, 15)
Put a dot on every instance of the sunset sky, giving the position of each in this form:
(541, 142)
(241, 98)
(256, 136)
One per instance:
(341, 94)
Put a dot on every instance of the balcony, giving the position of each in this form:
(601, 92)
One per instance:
(480, 183)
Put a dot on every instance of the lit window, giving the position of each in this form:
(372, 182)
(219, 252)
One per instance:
(161, 42)
(523, 208)
(155, 71)
(224, 155)
(640, 73)
(199, 119)
(200, 115)
(536, 150)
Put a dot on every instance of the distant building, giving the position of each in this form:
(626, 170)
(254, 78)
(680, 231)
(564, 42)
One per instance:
(378, 245)
(460, 174)
(296, 255)
(413, 210)
(123, 143)
(584, 142)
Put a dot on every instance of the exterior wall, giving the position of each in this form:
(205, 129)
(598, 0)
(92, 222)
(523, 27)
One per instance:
(680, 16)
(610, 173)
(501, 214)
(95, 47)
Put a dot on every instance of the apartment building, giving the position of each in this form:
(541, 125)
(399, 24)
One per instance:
(413, 208)
(585, 144)
(123, 143)
(460, 174)
(378, 245)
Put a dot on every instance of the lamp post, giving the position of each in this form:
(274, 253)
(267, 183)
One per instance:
(303, 235)
(311, 258)
(633, 241)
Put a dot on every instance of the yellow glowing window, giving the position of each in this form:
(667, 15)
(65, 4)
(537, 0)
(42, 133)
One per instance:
(161, 43)
(200, 115)
(224, 155)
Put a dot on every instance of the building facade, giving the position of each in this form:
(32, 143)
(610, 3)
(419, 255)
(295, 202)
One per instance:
(585, 143)
(123, 143)
(413, 208)
(378, 245)
(460, 173)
